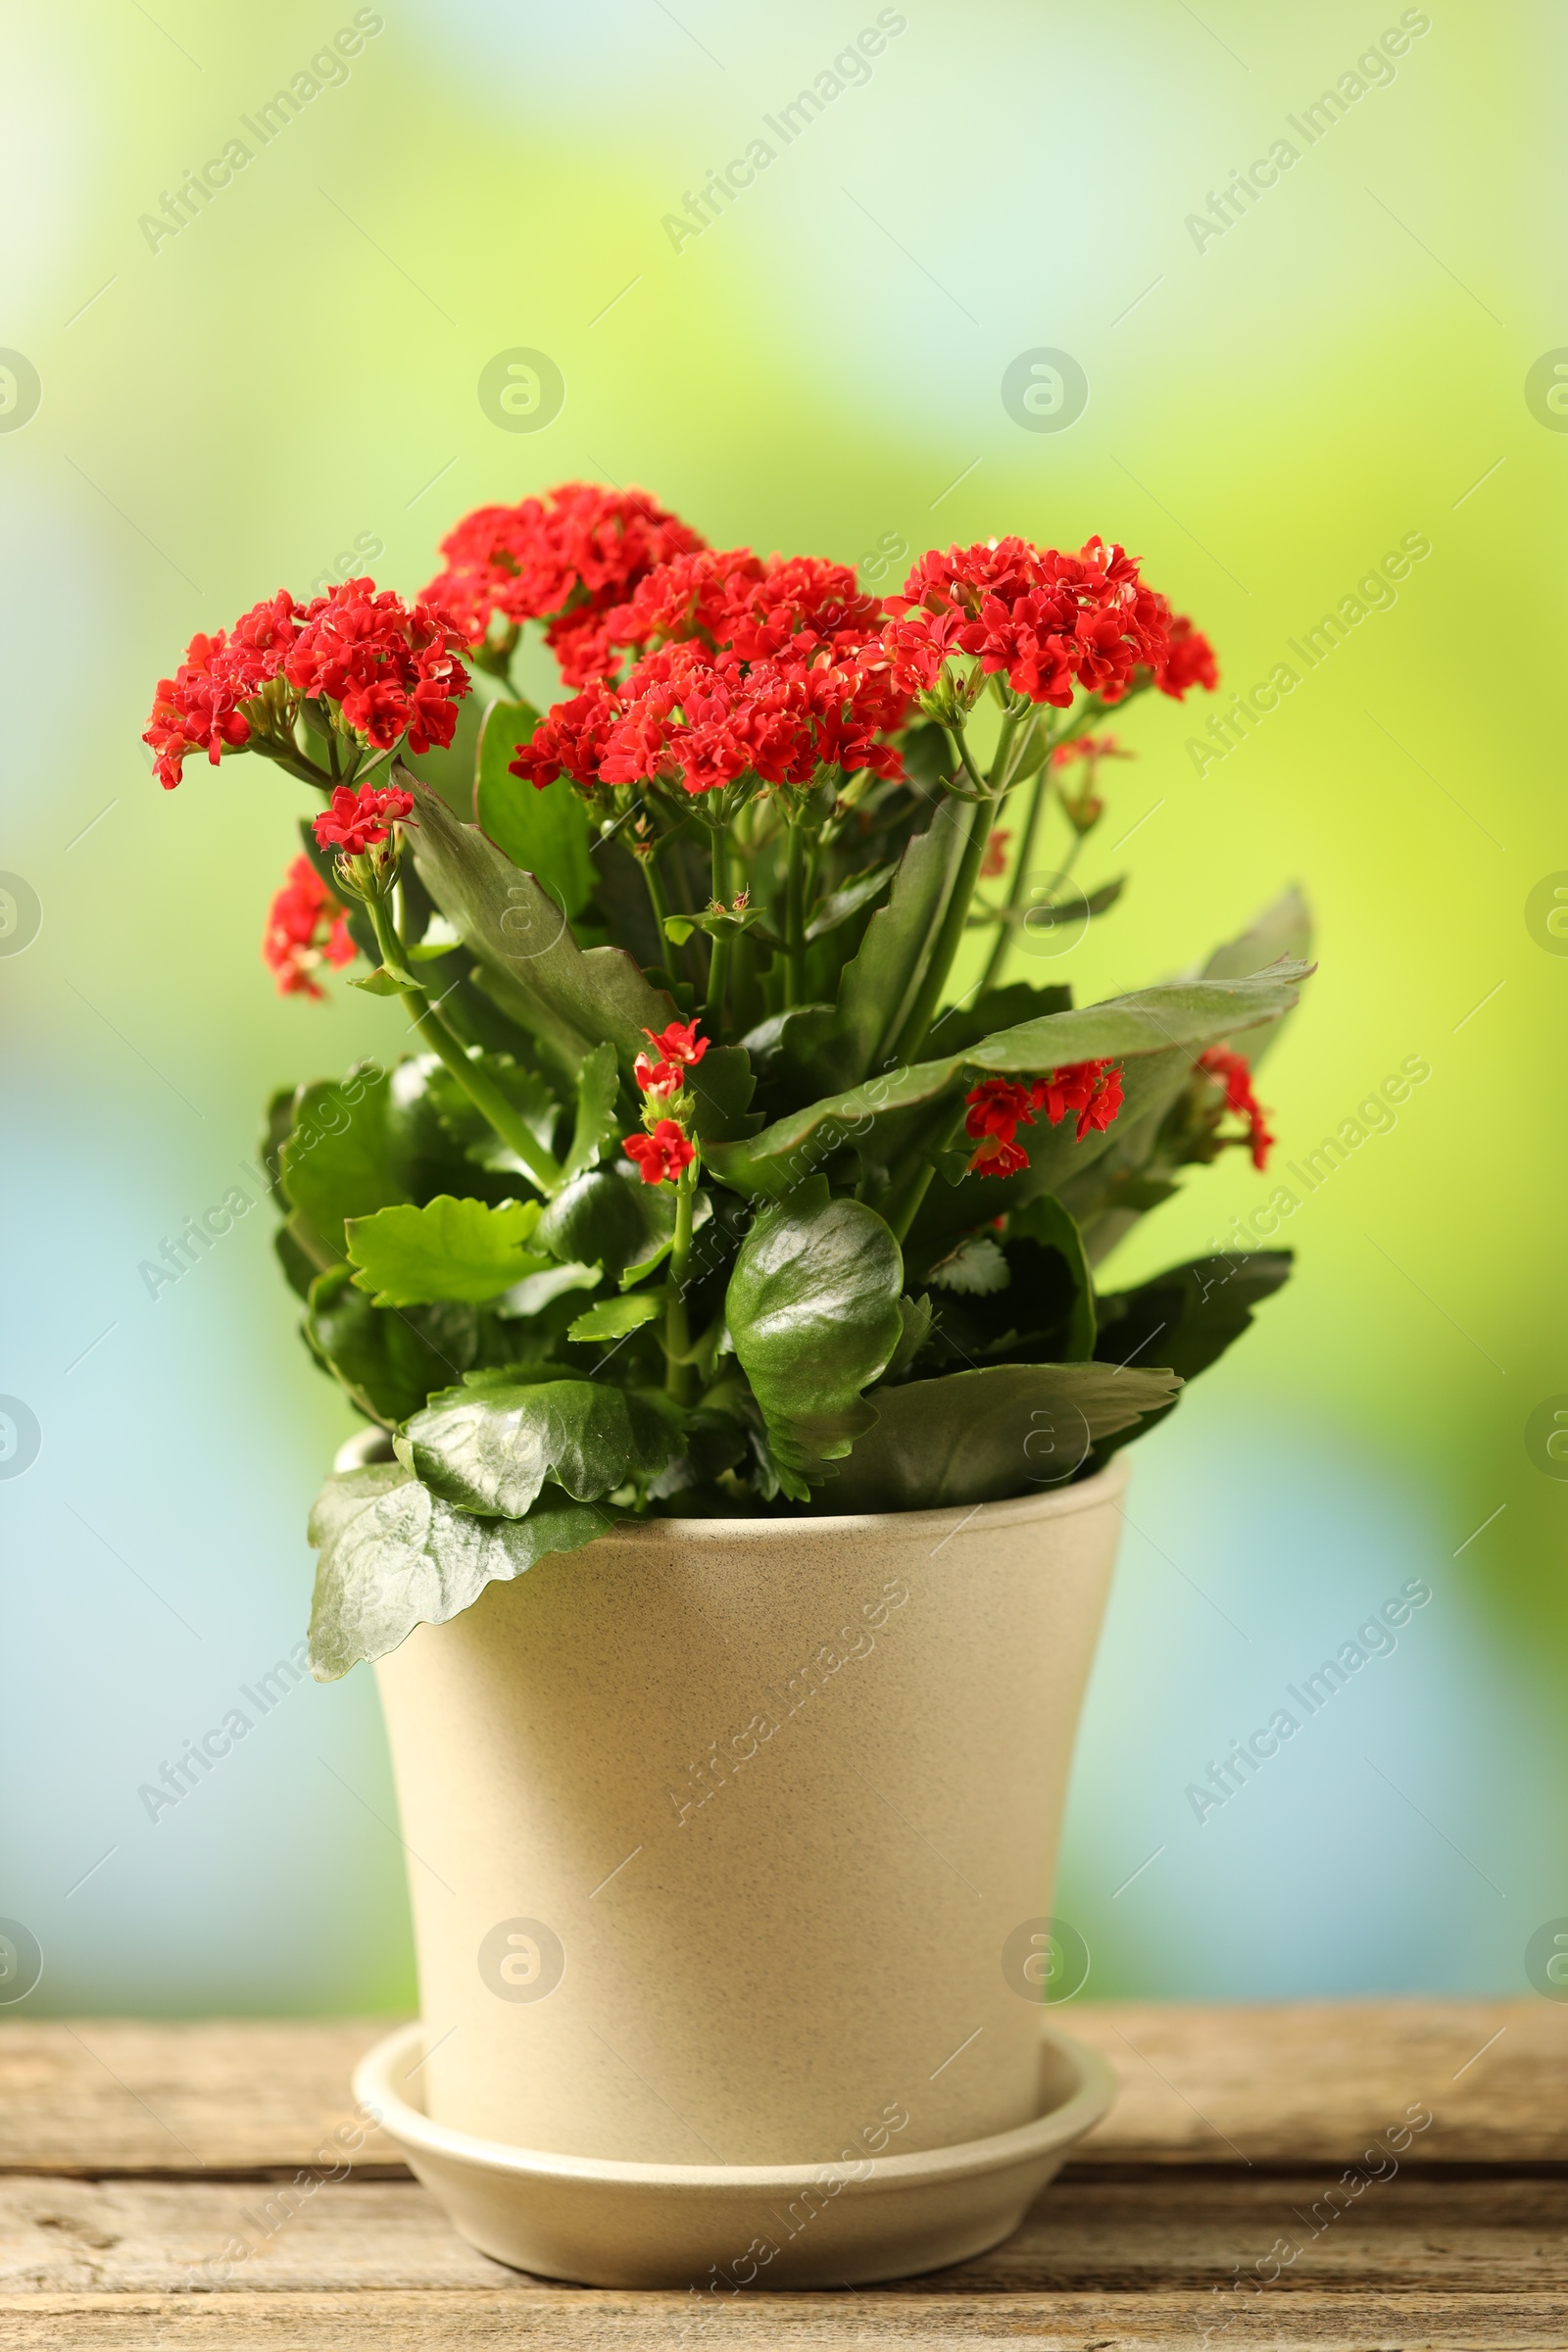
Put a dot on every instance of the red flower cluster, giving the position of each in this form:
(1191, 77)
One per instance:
(387, 664)
(1233, 1073)
(1189, 661)
(661, 1155)
(729, 599)
(688, 718)
(568, 558)
(360, 820)
(999, 1107)
(676, 1050)
(306, 927)
(1047, 622)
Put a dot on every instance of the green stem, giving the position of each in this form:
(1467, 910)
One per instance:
(794, 918)
(950, 936)
(480, 1088)
(648, 861)
(905, 1207)
(718, 958)
(677, 1332)
(1021, 875)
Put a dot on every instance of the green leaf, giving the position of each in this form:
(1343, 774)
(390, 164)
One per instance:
(544, 832)
(721, 1086)
(976, 1265)
(994, 1009)
(1283, 929)
(394, 1556)
(533, 966)
(878, 986)
(1176, 1020)
(491, 1445)
(598, 1084)
(462, 1119)
(1044, 1222)
(915, 1316)
(449, 1249)
(440, 938)
(607, 1219)
(379, 983)
(813, 1308)
(851, 896)
(1188, 1315)
(535, 1291)
(619, 1318)
(982, 1436)
(336, 1161)
(388, 1360)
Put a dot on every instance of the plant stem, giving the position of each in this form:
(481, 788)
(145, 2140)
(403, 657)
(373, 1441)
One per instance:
(1021, 875)
(719, 958)
(677, 1333)
(480, 1088)
(794, 918)
(655, 880)
(950, 936)
(903, 1210)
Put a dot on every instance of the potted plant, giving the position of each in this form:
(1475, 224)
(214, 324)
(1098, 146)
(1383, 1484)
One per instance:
(714, 1270)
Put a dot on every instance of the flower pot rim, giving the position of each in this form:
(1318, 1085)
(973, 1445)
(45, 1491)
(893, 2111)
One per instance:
(1095, 2090)
(1046, 1503)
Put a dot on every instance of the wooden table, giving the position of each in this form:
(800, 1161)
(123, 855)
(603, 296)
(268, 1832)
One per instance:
(134, 2154)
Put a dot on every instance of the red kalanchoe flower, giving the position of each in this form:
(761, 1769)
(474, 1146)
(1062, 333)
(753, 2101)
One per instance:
(659, 1079)
(388, 666)
(1189, 661)
(1047, 621)
(306, 927)
(1234, 1072)
(360, 820)
(1092, 1089)
(569, 559)
(199, 707)
(664, 1154)
(995, 1111)
(679, 1043)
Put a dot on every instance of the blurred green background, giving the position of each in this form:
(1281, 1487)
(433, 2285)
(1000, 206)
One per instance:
(291, 381)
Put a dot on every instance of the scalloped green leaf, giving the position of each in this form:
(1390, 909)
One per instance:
(813, 1309)
(393, 1555)
(491, 1445)
(982, 1436)
(449, 1249)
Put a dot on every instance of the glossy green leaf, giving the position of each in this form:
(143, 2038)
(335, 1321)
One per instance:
(982, 1436)
(571, 999)
(878, 986)
(544, 831)
(1188, 1315)
(595, 1131)
(449, 1249)
(1177, 1019)
(394, 1556)
(388, 1359)
(619, 1318)
(813, 1309)
(490, 1446)
(849, 898)
(609, 1219)
(336, 1161)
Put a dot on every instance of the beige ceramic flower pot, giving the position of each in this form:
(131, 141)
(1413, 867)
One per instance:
(731, 1845)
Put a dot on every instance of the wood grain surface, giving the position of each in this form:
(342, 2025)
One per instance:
(162, 2185)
